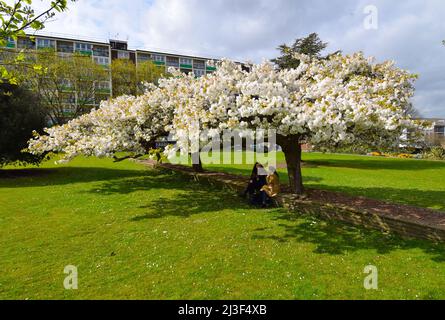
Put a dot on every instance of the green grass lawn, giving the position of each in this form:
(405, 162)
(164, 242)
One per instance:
(140, 234)
(406, 181)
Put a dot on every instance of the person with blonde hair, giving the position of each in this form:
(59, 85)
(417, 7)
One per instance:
(272, 188)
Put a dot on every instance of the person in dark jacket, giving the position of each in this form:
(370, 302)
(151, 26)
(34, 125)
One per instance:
(256, 183)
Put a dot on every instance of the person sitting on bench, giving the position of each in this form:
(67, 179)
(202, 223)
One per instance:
(272, 189)
(256, 182)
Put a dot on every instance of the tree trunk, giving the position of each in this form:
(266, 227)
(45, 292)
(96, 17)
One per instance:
(197, 165)
(292, 150)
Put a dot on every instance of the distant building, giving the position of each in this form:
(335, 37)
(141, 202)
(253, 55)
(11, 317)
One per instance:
(438, 126)
(436, 133)
(98, 51)
(187, 64)
(104, 52)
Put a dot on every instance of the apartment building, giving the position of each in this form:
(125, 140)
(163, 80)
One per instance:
(99, 52)
(439, 127)
(104, 52)
(436, 133)
(187, 64)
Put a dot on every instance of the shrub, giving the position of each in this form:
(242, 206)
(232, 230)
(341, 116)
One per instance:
(405, 156)
(375, 154)
(435, 153)
(20, 114)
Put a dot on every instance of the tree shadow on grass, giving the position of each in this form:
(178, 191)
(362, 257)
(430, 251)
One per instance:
(23, 178)
(368, 163)
(247, 172)
(191, 198)
(421, 198)
(196, 202)
(338, 238)
(11, 174)
(149, 180)
(184, 198)
(434, 199)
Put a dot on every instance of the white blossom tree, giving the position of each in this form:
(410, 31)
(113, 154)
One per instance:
(339, 100)
(124, 124)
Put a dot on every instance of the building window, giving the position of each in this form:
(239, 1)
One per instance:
(103, 87)
(86, 100)
(46, 44)
(84, 47)
(64, 46)
(68, 110)
(199, 73)
(25, 43)
(440, 130)
(100, 51)
(65, 55)
(143, 57)
(104, 61)
(199, 64)
(158, 57)
(172, 62)
(123, 55)
(118, 45)
(10, 43)
(186, 61)
(68, 98)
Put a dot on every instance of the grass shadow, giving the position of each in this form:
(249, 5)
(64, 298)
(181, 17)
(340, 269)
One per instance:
(247, 172)
(189, 197)
(185, 205)
(23, 178)
(25, 173)
(192, 198)
(338, 238)
(368, 163)
(434, 199)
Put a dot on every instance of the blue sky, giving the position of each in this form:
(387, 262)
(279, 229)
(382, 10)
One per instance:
(409, 32)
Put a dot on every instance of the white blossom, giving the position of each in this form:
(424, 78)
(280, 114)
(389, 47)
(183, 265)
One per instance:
(342, 99)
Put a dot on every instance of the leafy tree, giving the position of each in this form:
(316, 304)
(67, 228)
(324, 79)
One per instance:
(67, 86)
(148, 72)
(16, 18)
(311, 46)
(20, 114)
(128, 79)
(123, 75)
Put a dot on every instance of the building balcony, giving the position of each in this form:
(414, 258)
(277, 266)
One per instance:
(85, 52)
(186, 66)
(103, 91)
